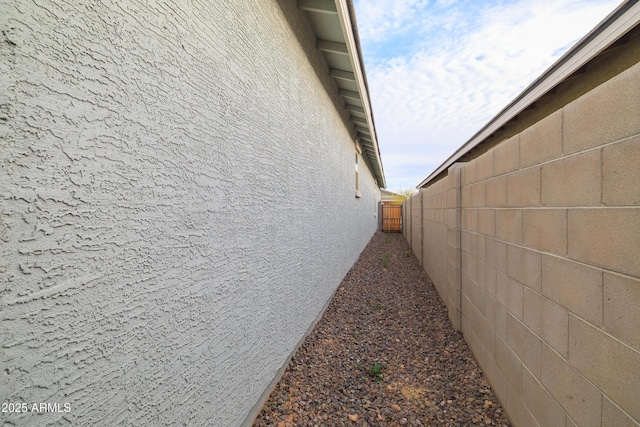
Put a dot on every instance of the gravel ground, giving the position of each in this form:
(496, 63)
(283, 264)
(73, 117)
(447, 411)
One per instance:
(383, 354)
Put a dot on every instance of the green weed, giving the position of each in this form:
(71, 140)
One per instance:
(375, 371)
(385, 260)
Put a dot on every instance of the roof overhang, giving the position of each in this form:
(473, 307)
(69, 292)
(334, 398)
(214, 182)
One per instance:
(619, 22)
(334, 25)
(390, 193)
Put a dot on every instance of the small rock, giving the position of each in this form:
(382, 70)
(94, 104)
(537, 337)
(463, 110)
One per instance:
(327, 379)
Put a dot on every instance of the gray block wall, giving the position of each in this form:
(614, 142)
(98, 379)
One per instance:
(176, 206)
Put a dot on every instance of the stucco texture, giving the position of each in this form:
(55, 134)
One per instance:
(176, 206)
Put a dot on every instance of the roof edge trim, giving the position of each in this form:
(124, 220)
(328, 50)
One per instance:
(619, 22)
(346, 15)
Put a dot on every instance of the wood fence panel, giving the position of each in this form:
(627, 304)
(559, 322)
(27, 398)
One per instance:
(391, 217)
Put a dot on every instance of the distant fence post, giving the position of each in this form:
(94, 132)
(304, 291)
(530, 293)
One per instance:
(417, 226)
(406, 219)
(423, 228)
(454, 242)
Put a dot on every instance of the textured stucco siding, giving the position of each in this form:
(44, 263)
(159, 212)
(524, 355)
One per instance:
(177, 206)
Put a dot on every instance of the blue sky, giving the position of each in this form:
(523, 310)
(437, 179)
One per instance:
(439, 70)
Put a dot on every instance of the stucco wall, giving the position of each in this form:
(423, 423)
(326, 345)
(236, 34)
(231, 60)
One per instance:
(177, 206)
(538, 260)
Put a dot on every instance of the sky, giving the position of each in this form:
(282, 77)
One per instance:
(439, 70)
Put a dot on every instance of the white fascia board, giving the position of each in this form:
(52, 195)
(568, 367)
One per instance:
(614, 26)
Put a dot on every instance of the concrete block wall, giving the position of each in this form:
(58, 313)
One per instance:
(434, 221)
(407, 217)
(549, 255)
(416, 226)
(176, 206)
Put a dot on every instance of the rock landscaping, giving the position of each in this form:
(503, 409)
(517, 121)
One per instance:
(383, 354)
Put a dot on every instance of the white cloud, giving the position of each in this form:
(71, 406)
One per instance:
(434, 93)
(377, 19)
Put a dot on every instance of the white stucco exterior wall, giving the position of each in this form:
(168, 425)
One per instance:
(176, 206)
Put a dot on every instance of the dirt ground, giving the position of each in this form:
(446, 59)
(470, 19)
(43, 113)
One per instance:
(383, 354)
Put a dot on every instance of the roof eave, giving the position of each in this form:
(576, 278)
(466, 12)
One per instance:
(350, 80)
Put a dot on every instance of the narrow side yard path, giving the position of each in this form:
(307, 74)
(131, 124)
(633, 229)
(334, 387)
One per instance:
(383, 354)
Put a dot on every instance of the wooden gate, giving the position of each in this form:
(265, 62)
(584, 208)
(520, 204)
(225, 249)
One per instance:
(391, 217)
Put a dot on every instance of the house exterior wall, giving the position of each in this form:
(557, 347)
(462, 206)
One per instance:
(538, 259)
(177, 206)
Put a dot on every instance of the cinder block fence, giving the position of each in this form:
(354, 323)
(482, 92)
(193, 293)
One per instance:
(533, 241)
